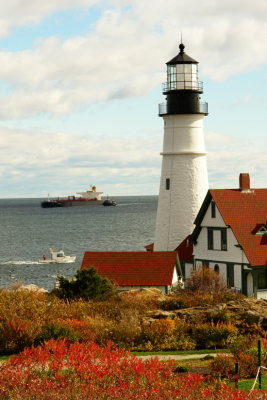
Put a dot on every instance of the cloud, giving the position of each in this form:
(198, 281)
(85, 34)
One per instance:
(56, 77)
(121, 56)
(228, 157)
(16, 13)
(34, 162)
(241, 100)
(216, 139)
(123, 53)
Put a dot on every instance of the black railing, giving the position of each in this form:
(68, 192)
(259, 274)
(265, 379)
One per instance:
(203, 108)
(182, 85)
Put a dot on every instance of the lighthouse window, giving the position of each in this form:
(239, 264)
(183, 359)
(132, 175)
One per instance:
(180, 72)
(180, 76)
(168, 183)
(171, 71)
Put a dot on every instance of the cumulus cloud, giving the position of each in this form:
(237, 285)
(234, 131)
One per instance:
(60, 162)
(15, 13)
(34, 163)
(121, 56)
(123, 53)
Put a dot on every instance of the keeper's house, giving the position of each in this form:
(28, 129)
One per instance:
(135, 269)
(231, 237)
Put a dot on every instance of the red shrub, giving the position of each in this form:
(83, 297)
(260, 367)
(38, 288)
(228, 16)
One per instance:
(223, 365)
(79, 371)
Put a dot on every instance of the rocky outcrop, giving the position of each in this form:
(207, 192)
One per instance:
(250, 311)
(30, 288)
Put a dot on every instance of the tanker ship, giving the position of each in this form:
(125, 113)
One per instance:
(87, 198)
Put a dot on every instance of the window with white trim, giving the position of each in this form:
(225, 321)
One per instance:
(217, 239)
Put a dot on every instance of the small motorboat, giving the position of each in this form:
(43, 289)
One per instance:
(57, 257)
(109, 202)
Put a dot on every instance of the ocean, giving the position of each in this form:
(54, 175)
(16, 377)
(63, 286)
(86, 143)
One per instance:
(28, 231)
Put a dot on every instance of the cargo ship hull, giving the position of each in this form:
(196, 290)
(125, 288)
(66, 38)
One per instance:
(71, 203)
(89, 198)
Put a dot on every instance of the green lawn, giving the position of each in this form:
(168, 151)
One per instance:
(248, 383)
(4, 358)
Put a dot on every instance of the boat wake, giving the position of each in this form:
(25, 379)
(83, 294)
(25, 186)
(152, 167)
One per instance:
(18, 262)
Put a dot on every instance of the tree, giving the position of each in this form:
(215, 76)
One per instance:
(86, 284)
(205, 280)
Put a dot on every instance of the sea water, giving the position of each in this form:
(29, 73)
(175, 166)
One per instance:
(28, 231)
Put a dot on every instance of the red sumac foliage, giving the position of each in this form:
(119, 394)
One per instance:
(81, 371)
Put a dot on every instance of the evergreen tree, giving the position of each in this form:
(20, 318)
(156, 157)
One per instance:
(86, 284)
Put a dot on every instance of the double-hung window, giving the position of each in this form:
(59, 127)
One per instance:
(217, 239)
(210, 239)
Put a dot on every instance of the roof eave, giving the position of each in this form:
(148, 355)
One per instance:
(182, 59)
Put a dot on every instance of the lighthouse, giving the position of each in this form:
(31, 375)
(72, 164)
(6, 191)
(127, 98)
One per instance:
(184, 176)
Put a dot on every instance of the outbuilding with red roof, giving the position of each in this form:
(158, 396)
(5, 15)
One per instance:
(135, 269)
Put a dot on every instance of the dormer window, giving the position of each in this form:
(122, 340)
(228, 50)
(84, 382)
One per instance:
(262, 230)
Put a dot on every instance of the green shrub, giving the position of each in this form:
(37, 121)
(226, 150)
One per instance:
(86, 284)
(208, 357)
(237, 343)
(56, 331)
(181, 369)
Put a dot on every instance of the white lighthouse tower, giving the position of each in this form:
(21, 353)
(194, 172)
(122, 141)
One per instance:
(184, 176)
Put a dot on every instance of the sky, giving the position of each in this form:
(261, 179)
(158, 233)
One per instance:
(81, 80)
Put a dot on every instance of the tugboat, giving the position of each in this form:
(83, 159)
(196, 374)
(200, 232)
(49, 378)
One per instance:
(109, 202)
(87, 198)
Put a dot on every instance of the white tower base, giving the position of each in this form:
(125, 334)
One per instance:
(184, 179)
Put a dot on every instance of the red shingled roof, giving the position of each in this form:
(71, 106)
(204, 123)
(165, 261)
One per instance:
(133, 268)
(149, 247)
(243, 212)
(185, 250)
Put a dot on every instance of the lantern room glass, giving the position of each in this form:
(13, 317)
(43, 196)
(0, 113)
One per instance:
(182, 77)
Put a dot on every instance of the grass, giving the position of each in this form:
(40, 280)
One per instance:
(4, 358)
(248, 383)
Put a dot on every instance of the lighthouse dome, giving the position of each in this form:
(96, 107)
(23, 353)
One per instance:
(182, 58)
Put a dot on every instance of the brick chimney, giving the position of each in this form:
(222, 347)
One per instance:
(244, 182)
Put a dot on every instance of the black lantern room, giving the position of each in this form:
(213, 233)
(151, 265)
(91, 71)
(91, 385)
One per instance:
(183, 88)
